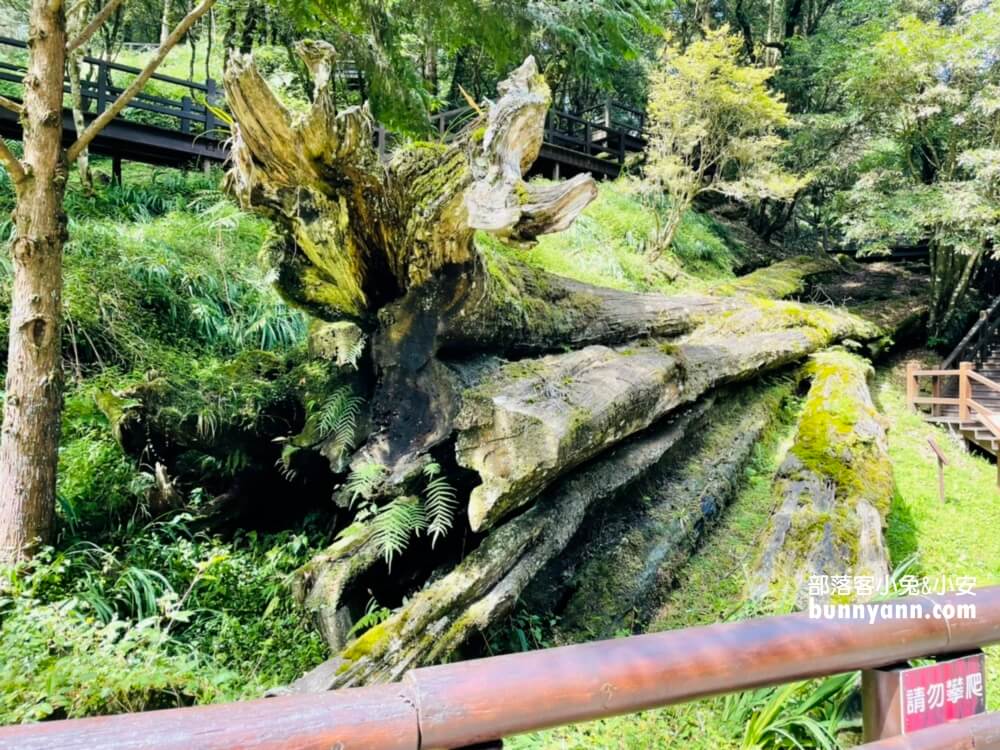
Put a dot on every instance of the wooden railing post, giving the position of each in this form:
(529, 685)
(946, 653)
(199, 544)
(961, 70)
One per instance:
(964, 391)
(911, 385)
(186, 111)
(103, 86)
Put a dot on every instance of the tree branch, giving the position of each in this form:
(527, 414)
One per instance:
(84, 36)
(97, 125)
(10, 163)
(13, 106)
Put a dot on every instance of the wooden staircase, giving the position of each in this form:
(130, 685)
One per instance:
(967, 398)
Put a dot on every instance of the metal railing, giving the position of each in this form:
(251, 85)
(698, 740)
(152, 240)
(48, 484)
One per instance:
(476, 702)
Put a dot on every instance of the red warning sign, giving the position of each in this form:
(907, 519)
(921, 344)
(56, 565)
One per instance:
(942, 692)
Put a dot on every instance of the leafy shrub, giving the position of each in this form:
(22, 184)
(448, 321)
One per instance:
(168, 617)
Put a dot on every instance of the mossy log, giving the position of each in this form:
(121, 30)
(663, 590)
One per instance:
(835, 487)
(487, 583)
(385, 253)
(535, 420)
(391, 246)
(617, 574)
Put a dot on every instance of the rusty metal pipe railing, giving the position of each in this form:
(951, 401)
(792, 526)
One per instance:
(460, 704)
(975, 733)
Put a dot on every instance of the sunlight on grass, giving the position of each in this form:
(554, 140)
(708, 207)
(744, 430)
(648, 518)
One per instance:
(959, 538)
(607, 245)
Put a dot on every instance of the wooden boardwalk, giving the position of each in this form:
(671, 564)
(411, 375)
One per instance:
(967, 398)
(171, 123)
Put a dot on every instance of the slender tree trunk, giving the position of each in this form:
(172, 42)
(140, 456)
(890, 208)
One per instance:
(165, 20)
(74, 25)
(29, 446)
(208, 43)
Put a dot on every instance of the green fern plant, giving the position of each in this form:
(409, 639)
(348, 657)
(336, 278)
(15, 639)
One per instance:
(439, 501)
(395, 523)
(363, 479)
(337, 418)
(375, 614)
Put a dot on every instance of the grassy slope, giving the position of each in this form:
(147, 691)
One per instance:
(607, 246)
(957, 539)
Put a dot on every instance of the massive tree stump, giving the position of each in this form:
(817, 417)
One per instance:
(536, 378)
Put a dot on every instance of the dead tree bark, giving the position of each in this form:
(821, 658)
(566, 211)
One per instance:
(835, 487)
(390, 247)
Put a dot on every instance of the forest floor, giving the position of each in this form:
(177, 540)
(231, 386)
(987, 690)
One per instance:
(955, 539)
(182, 304)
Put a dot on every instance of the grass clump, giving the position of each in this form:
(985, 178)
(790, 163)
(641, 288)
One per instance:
(176, 349)
(607, 246)
(166, 618)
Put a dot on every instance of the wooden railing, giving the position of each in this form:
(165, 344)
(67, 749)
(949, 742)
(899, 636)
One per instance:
(187, 113)
(475, 703)
(604, 138)
(969, 412)
(974, 346)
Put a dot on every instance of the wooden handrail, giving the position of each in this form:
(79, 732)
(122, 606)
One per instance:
(985, 416)
(981, 732)
(983, 380)
(465, 703)
(984, 317)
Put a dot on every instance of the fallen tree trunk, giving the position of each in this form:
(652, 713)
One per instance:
(524, 424)
(385, 253)
(835, 487)
(391, 246)
(533, 421)
(487, 583)
(617, 575)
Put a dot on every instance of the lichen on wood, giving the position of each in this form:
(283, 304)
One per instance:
(487, 583)
(835, 486)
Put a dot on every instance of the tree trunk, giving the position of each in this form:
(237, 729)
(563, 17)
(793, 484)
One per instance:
(619, 572)
(165, 20)
(75, 60)
(835, 487)
(488, 582)
(391, 248)
(29, 447)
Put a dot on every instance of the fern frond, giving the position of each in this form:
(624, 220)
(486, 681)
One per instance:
(337, 419)
(375, 614)
(441, 504)
(363, 480)
(395, 523)
(356, 350)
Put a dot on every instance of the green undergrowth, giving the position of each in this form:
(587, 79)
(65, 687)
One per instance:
(167, 617)
(175, 343)
(957, 538)
(607, 246)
